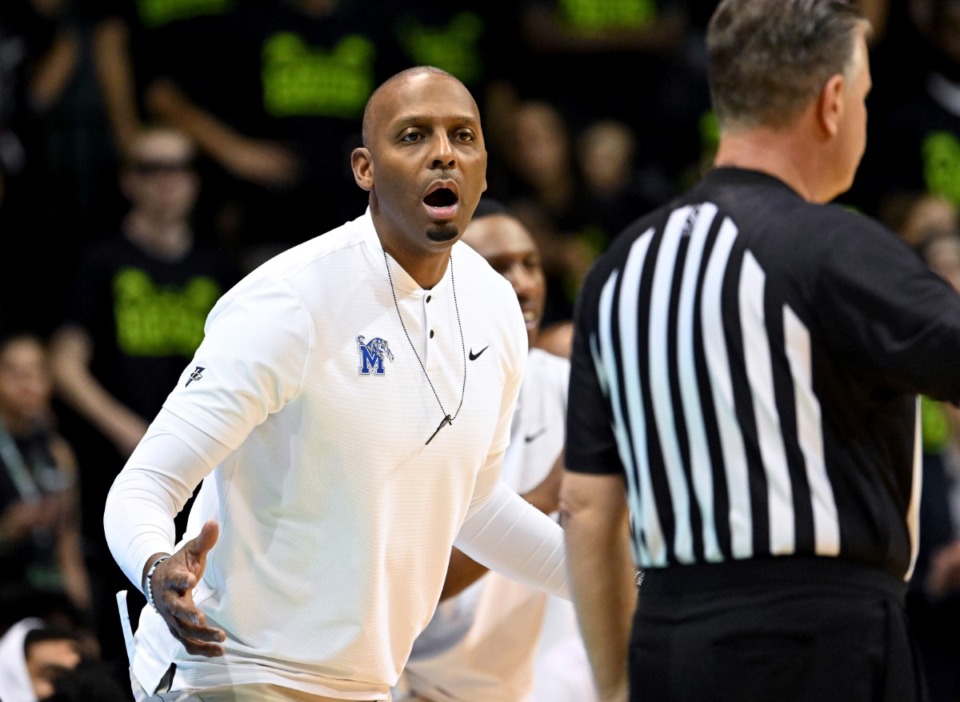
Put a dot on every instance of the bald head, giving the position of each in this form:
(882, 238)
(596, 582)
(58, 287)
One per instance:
(424, 165)
(159, 141)
(388, 87)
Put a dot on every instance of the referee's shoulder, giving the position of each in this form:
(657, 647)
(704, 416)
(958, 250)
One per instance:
(837, 223)
(616, 253)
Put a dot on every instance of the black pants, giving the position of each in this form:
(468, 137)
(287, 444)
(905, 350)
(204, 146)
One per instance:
(778, 630)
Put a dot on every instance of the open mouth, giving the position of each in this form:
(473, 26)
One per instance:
(530, 317)
(442, 203)
(444, 197)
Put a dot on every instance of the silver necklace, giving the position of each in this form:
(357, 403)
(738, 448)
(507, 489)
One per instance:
(447, 419)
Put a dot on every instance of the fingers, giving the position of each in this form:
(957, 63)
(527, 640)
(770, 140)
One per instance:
(174, 581)
(189, 625)
(206, 539)
(203, 641)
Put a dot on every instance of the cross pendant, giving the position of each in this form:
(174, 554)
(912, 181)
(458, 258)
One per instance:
(443, 422)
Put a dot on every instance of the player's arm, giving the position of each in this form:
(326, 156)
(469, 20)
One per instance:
(602, 576)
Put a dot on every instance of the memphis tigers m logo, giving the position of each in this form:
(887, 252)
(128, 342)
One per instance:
(371, 355)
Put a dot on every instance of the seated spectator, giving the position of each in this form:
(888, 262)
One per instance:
(40, 541)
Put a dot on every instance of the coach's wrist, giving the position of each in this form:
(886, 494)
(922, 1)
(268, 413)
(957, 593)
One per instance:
(148, 570)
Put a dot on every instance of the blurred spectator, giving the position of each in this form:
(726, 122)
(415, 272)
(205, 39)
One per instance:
(941, 250)
(478, 41)
(933, 599)
(133, 317)
(613, 180)
(616, 185)
(916, 136)
(40, 55)
(144, 45)
(21, 600)
(464, 38)
(33, 657)
(50, 170)
(19, 29)
(283, 87)
(545, 189)
(89, 681)
(649, 54)
(577, 41)
(41, 659)
(139, 41)
(917, 217)
(40, 543)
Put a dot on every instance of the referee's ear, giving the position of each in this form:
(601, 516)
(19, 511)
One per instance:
(830, 105)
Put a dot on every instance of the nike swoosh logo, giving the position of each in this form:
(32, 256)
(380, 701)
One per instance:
(530, 437)
(475, 356)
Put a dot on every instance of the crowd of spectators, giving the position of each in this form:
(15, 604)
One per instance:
(113, 245)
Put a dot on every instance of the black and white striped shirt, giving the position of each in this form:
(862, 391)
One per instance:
(750, 362)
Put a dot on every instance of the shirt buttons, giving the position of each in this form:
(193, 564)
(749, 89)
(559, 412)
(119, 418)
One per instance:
(429, 297)
(431, 333)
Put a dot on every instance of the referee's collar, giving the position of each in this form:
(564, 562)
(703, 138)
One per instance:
(731, 175)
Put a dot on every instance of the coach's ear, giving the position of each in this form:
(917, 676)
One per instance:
(362, 166)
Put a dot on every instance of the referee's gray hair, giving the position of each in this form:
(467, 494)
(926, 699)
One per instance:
(769, 58)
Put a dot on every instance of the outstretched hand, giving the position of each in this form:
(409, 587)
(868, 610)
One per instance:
(173, 582)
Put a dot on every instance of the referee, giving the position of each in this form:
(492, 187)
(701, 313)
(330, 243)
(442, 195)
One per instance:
(744, 387)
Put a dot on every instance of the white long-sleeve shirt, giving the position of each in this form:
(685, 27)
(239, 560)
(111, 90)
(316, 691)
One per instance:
(336, 519)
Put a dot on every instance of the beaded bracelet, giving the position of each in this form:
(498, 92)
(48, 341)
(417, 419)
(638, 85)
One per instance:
(148, 585)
